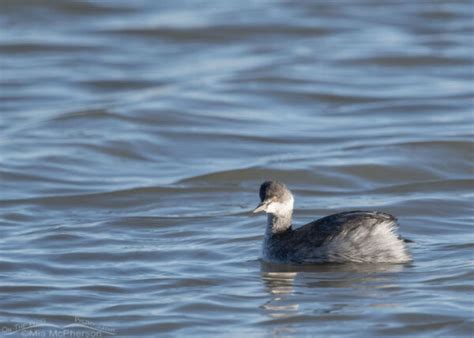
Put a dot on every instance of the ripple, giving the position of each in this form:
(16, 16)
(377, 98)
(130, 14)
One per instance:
(42, 47)
(413, 61)
(218, 33)
(136, 136)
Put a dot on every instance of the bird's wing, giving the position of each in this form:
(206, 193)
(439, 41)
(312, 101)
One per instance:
(326, 228)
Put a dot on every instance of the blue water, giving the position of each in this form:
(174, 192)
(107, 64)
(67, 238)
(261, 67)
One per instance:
(134, 137)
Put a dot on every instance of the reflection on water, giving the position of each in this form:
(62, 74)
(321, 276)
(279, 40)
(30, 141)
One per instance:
(279, 285)
(287, 285)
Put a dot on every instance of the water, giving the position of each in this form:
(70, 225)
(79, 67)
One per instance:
(134, 137)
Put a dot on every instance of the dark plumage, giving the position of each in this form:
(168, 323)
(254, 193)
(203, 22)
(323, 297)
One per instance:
(272, 189)
(353, 236)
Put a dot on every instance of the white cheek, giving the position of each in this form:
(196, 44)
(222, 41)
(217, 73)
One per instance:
(285, 208)
(278, 208)
(272, 207)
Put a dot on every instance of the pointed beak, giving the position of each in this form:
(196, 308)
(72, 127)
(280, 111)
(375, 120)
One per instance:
(261, 207)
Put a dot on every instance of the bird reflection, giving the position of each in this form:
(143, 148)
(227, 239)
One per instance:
(282, 280)
(279, 284)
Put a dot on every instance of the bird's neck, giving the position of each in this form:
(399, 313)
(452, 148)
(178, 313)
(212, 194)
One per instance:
(278, 224)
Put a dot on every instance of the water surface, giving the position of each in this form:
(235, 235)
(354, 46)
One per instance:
(134, 136)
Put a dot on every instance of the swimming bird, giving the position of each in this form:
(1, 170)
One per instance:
(352, 236)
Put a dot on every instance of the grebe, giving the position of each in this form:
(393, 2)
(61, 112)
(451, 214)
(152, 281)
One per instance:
(353, 236)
